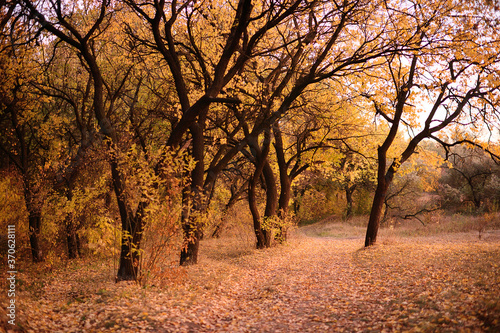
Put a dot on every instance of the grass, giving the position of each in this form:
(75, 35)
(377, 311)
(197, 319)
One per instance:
(432, 224)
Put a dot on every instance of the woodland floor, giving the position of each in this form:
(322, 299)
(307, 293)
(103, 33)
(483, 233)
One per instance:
(444, 283)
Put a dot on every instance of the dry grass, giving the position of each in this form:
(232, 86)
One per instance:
(431, 225)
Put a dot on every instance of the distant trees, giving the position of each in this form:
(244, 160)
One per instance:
(414, 193)
(472, 177)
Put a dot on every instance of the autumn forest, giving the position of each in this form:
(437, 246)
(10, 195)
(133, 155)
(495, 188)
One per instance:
(250, 166)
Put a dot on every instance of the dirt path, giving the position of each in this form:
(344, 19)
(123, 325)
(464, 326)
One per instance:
(312, 285)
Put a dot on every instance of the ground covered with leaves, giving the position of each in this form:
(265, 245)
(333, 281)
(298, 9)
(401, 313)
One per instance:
(435, 283)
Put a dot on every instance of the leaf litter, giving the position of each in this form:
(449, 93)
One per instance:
(312, 284)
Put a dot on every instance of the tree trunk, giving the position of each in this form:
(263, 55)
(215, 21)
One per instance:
(132, 226)
(128, 269)
(34, 232)
(263, 235)
(71, 237)
(271, 199)
(71, 228)
(476, 199)
(193, 201)
(349, 191)
(298, 194)
(219, 227)
(283, 205)
(33, 206)
(260, 234)
(285, 195)
(384, 179)
(285, 182)
(189, 253)
(190, 227)
(376, 213)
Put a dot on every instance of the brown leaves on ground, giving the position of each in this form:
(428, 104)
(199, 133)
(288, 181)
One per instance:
(413, 284)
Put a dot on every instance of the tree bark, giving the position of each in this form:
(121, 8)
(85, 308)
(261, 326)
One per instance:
(193, 200)
(190, 227)
(128, 269)
(34, 233)
(189, 253)
(71, 238)
(285, 182)
(349, 191)
(298, 194)
(33, 206)
(132, 226)
(71, 228)
(376, 213)
(283, 207)
(384, 179)
(270, 212)
(262, 235)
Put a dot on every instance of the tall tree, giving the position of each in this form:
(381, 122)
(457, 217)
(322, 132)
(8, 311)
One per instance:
(80, 27)
(454, 72)
(314, 49)
(22, 116)
(179, 32)
(69, 87)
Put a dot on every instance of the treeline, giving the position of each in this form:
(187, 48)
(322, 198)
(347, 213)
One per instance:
(158, 113)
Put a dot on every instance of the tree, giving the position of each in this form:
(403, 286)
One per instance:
(412, 193)
(68, 87)
(21, 116)
(81, 28)
(213, 69)
(455, 74)
(313, 52)
(354, 171)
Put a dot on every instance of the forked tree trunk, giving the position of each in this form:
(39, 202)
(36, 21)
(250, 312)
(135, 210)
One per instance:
(132, 227)
(263, 236)
(262, 167)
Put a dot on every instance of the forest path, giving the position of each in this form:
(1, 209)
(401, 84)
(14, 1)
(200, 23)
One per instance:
(312, 284)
